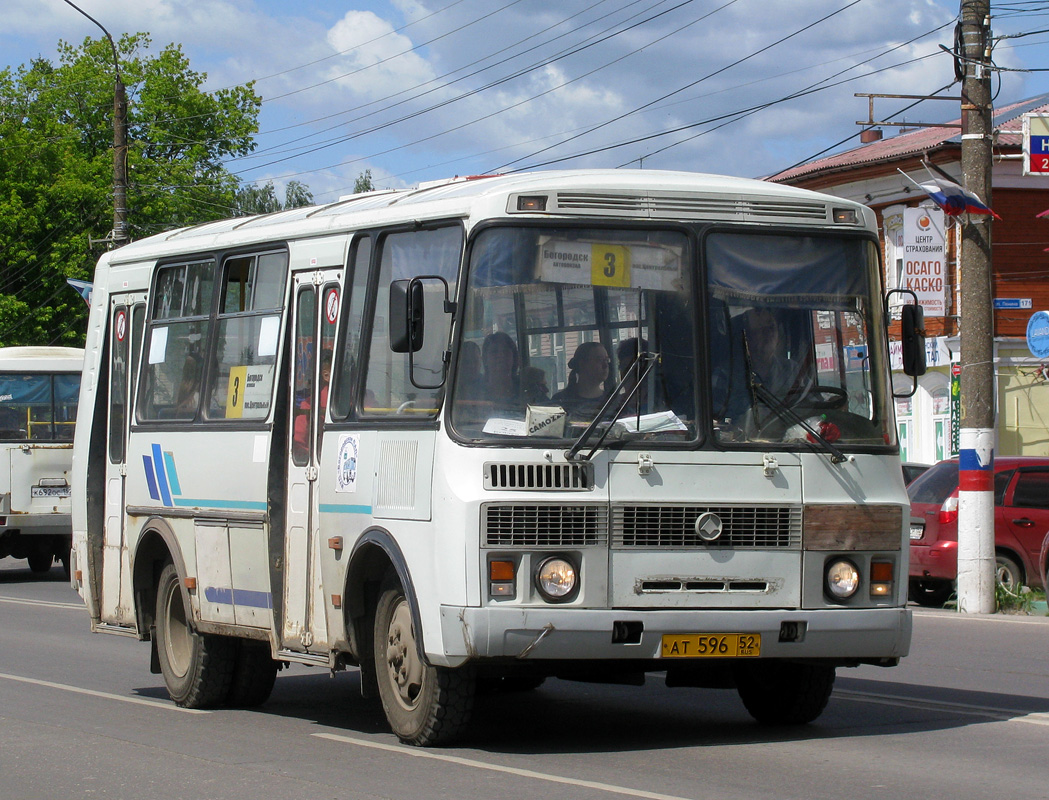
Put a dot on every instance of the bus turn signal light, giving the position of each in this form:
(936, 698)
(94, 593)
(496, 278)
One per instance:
(881, 578)
(501, 579)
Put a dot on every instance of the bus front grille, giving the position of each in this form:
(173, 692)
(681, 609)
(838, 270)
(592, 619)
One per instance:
(544, 525)
(674, 526)
(573, 477)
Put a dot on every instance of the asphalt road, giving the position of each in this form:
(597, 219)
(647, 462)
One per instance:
(966, 715)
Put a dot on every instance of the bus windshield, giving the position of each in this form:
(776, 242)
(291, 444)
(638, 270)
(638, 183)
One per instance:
(556, 320)
(563, 326)
(794, 327)
(38, 406)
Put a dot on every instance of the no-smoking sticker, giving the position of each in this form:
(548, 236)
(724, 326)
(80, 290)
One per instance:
(331, 306)
(120, 325)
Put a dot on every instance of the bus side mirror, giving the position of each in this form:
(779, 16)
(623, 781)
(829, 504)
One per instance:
(406, 316)
(912, 329)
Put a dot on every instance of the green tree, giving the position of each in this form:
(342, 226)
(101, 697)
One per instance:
(56, 169)
(364, 182)
(253, 199)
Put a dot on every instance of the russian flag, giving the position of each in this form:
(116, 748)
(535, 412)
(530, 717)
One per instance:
(954, 199)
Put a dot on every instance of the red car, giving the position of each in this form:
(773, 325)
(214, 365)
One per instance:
(1021, 523)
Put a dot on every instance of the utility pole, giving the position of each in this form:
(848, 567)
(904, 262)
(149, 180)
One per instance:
(119, 235)
(976, 570)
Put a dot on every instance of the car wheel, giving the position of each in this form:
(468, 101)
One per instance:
(930, 593)
(1007, 572)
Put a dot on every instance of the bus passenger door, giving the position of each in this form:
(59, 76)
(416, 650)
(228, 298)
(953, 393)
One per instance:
(316, 308)
(127, 315)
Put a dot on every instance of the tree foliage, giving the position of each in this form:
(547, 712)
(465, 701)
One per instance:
(56, 169)
(364, 182)
(252, 199)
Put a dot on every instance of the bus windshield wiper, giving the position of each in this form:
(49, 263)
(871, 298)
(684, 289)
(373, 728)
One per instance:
(785, 412)
(646, 359)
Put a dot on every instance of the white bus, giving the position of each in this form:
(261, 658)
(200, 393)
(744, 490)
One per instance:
(39, 388)
(495, 430)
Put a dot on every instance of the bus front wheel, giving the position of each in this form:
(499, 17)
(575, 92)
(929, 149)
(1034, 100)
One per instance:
(784, 693)
(197, 668)
(425, 705)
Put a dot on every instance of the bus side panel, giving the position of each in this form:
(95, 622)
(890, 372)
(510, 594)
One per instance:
(218, 476)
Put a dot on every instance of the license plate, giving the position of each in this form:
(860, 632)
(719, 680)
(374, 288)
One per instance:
(711, 645)
(49, 491)
(917, 531)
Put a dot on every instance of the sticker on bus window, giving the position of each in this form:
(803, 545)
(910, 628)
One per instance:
(269, 334)
(616, 265)
(248, 391)
(346, 463)
(158, 346)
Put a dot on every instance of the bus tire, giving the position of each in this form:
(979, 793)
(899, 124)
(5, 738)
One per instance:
(254, 674)
(425, 705)
(40, 563)
(784, 693)
(197, 668)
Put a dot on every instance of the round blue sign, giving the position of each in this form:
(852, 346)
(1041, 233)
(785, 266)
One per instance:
(1038, 334)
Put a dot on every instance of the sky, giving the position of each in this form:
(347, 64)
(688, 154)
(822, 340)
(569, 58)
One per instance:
(419, 90)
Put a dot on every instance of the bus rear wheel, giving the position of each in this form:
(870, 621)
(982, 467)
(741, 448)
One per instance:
(425, 705)
(784, 693)
(254, 674)
(197, 668)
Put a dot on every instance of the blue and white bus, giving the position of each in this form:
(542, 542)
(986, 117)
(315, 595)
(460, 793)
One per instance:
(579, 424)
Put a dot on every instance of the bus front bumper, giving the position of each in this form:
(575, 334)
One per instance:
(840, 634)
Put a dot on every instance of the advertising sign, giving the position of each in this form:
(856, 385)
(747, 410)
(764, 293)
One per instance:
(925, 258)
(1036, 144)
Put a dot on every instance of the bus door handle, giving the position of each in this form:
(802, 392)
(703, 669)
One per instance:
(311, 473)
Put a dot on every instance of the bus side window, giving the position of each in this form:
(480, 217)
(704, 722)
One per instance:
(344, 377)
(247, 335)
(175, 341)
(388, 386)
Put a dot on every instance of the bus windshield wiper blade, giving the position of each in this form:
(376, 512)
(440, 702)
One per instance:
(788, 414)
(572, 453)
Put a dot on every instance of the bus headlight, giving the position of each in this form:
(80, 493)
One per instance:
(843, 579)
(556, 579)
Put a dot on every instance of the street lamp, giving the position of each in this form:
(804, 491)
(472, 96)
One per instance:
(119, 236)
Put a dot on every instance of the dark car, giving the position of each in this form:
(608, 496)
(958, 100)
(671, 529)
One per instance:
(912, 470)
(1021, 523)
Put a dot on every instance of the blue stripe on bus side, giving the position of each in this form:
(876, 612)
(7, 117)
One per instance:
(169, 462)
(241, 505)
(338, 508)
(224, 596)
(151, 480)
(162, 481)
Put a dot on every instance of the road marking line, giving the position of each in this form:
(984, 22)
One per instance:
(962, 709)
(1007, 619)
(104, 695)
(49, 603)
(418, 752)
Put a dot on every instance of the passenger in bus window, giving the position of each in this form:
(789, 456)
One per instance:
(502, 382)
(534, 386)
(769, 363)
(626, 355)
(588, 371)
(188, 388)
